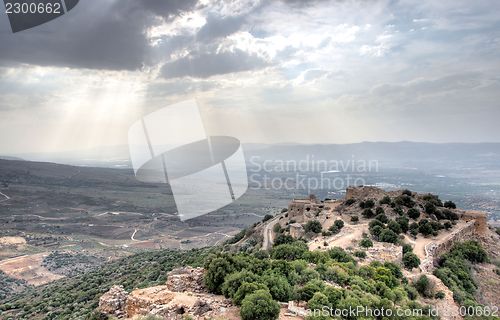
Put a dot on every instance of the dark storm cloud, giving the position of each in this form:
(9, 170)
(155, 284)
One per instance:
(209, 64)
(217, 27)
(95, 35)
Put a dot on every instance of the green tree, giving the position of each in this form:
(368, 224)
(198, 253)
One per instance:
(259, 306)
(234, 280)
(217, 271)
(388, 235)
(278, 286)
(318, 301)
(366, 243)
(410, 260)
(292, 251)
(413, 213)
(313, 226)
(247, 288)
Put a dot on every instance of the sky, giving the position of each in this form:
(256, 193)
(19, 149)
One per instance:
(278, 71)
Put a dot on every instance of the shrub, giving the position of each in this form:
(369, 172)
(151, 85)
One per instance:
(407, 192)
(367, 204)
(434, 199)
(216, 273)
(404, 200)
(410, 260)
(403, 223)
(259, 306)
(278, 286)
(379, 210)
(245, 289)
(407, 248)
(424, 286)
(340, 255)
(382, 218)
(376, 231)
(430, 208)
(394, 226)
(234, 280)
(349, 202)
(267, 217)
(385, 200)
(283, 239)
(354, 219)
(339, 223)
(309, 289)
(313, 226)
(333, 229)
(388, 235)
(277, 228)
(360, 254)
(425, 227)
(367, 213)
(293, 251)
(366, 243)
(439, 295)
(318, 301)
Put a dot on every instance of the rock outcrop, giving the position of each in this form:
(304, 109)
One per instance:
(113, 302)
(186, 279)
(183, 295)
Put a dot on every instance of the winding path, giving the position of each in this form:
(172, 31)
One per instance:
(268, 233)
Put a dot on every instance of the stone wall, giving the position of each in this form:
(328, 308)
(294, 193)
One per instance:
(434, 250)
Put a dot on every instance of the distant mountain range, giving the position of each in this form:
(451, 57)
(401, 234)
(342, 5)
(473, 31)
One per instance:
(392, 154)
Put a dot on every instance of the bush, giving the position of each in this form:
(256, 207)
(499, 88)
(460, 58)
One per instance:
(367, 213)
(360, 254)
(407, 248)
(407, 192)
(340, 255)
(379, 210)
(376, 231)
(424, 286)
(450, 205)
(318, 301)
(367, 204)
(394, 226)
(278, 286)
(382, 218)
(404, 223)
(292, 251)
(439, 295)
(245, 289)
(366, 243)
(410, 260)
(309, 289)
(259, 306)
(413, 213)
(434, 199)
(389, 236)
(216, 273)
(430, 208)
(283, 239)
(349, 202)
(313, 226)
(277, 228)
(234, 280)
(267, 217)
(385, 200)
(404, 200)
(339, 223)
(354, 219)
(425, 227)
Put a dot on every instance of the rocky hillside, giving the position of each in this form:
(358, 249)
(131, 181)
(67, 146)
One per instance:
(394, 250)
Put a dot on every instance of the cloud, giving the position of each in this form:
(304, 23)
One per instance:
(217, 27)
(205, 65)
(108, 34)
